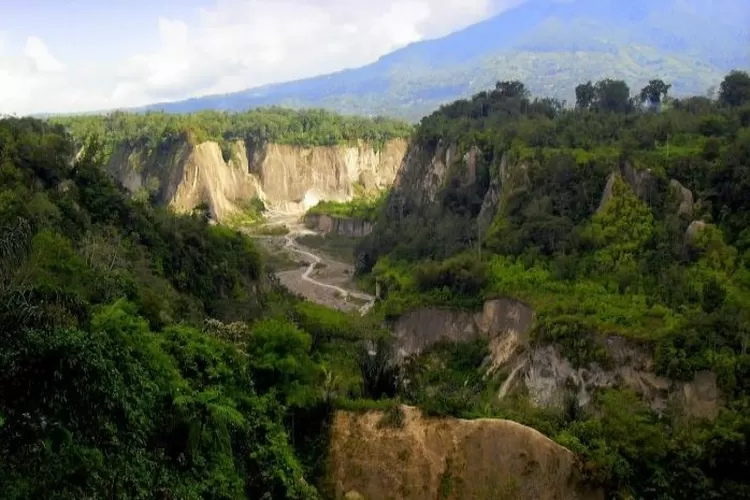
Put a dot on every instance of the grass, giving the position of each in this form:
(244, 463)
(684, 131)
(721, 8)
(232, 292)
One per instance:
(363, 207)
(590, 303)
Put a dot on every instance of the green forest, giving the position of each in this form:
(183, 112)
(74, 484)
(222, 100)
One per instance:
(635, 265)
(155, 129)
(149, 355)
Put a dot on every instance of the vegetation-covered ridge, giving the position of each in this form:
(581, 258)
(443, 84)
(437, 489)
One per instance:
(626, 216)
(361, 207)
(259, 126)
(148, 355)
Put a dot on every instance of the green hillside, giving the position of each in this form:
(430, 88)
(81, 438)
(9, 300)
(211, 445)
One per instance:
(632, 265)
(147, 355)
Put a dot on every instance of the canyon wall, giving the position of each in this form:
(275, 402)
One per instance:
(351, 227)
(286, 178)
(541, 370)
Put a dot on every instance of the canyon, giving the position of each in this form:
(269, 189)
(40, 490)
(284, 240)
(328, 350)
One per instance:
(226, 178)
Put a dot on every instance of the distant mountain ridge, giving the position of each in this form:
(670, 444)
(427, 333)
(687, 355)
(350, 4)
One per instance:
(551, 45)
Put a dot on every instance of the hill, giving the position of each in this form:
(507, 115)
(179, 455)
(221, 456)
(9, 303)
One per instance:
(584, 271)
(550, 44)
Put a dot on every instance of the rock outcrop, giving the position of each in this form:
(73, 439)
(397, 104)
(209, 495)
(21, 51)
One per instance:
(422, 174)
(505, 322)
(694, 229)
(184, 175)
(511, 177)
(549, 379)
(541, 371)
(645, 184)
(447, 458)
(351, 227)
(684, 199)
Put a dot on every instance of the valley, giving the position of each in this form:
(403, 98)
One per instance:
(482, 250)
(561, 308)
(321, 279)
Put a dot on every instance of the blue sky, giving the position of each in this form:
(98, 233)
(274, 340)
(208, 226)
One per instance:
(78, 55)
(78, 27)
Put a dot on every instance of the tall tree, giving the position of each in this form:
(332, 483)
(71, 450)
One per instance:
(735, 89)
(613, 95)
(585, 95)
(655, 93)
(512, 89)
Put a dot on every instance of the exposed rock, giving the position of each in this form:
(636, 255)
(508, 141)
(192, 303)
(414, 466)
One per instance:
(684, 198)
(284, 177)
(642, 181)
(608, 190)
(644, 184)
(422, 174)
(429, 458)
(549, 377)
(542, 371)
(505, 322)
(693, 230)
(288, 173)
(490, 204)
(417, 330)
(185, 176)
(510, 178)
(343, 226)
(470, 165)
(702, 396)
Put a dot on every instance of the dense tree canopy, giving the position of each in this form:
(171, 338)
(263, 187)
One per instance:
(594, 229)
(302, 128)
(148, 355)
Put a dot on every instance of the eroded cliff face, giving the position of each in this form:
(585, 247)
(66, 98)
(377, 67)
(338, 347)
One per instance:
(422, 174)
(505, 322)
(351, 227)
(541, 370)
(288, 178)
(447, 458)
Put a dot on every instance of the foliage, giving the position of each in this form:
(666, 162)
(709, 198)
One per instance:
(735, 89)
(364, 207)
(155, 130)
(591, 232)
(447, 379)
(144, 354)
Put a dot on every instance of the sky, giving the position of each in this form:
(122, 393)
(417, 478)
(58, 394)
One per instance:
(61, 56)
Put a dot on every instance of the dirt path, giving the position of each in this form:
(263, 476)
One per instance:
(324, 281)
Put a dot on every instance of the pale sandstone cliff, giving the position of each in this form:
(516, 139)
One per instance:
(447, 458)
(184, 175)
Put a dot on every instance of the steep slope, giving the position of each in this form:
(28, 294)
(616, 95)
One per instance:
(616, 240)
(290, 178)
(552, 45)
(421, 458)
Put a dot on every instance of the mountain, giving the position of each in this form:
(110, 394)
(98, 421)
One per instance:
(551, 45)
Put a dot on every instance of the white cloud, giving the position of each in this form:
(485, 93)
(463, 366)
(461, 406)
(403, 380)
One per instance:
(235, 44)
(39, 56)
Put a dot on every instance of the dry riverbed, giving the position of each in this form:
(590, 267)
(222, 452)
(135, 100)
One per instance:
(311, 273)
